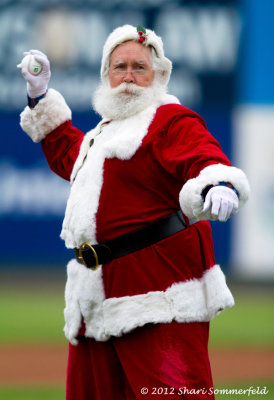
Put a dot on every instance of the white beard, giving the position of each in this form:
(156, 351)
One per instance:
(126, 100)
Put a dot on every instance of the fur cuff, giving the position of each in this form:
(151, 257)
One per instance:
(47, 115)
(190, 196)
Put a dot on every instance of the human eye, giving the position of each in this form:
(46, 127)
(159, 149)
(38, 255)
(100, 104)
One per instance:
(119, 67)
(139, 67)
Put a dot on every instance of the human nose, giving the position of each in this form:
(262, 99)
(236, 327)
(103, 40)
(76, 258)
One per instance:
(129, 76)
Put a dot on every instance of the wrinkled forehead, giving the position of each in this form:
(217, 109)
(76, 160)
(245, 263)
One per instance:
(131, 51)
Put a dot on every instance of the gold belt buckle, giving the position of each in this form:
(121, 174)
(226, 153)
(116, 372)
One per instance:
(86, 244)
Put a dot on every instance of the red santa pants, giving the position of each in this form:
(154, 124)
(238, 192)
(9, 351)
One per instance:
(162, 361)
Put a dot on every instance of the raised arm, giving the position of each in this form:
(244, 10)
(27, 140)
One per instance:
(47, 118)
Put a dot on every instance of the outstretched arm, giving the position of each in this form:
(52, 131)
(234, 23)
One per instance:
(211, 187)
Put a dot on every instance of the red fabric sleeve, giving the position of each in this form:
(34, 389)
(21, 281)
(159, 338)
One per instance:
(185, 147)
(61, 148)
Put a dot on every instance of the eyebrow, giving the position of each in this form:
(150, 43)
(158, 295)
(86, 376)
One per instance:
(141, 62)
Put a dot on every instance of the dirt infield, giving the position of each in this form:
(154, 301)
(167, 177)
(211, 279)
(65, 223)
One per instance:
(36, 365)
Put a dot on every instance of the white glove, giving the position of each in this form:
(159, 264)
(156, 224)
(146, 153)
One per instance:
(222, 202)
(37, 84)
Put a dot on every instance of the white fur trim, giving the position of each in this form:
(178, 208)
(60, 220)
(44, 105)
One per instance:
(129, 32)
(217, 294)
(84, 296)
(120, 139)
(189, 301)
(47, 115)
(85, 146)
(125, 139)
(170, 99)
(196, 300)
(190, 196)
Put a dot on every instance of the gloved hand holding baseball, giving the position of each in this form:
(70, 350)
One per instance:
(37, 79)
(222, 202)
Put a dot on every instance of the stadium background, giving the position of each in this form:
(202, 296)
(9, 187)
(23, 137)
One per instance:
(223, 63)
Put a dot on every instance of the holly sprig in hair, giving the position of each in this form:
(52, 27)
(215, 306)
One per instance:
(142, 33)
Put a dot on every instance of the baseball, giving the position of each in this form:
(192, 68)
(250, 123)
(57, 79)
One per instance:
(33, 66)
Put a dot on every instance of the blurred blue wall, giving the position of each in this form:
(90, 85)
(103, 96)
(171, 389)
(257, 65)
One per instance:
(201, 38)
(255, 79)
(253, 140)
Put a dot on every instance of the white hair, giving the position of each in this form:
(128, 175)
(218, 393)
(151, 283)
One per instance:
(161, 64)
(157, 66)
(156, 63)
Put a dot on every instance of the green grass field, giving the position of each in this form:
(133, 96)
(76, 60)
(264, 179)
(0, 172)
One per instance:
(250, 323)
(33, 316)
(40, 393)
(222, 392)
(233, 392)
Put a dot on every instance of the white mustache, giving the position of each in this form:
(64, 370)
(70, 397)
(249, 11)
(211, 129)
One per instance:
(129, 88)
(126, 100)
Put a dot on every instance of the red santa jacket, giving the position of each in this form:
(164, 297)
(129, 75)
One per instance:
(125, 175)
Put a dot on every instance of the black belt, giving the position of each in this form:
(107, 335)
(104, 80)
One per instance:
(94, 255)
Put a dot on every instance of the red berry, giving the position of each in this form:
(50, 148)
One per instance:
(140, 33)
(142, 39)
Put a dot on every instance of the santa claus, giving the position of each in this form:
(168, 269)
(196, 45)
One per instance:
(143, 285)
